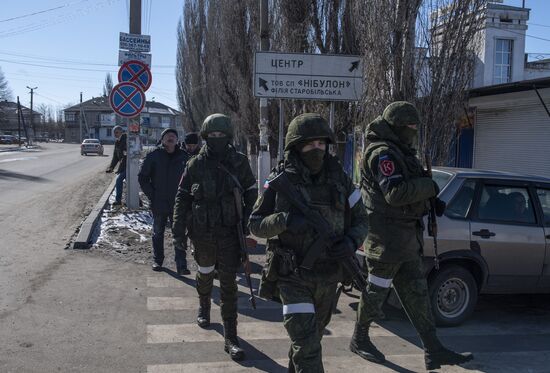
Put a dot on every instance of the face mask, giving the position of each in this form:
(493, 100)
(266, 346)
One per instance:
(314, 160)
(406, 135)
(218, 145)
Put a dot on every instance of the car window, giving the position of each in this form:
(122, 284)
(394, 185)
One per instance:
(544, 198)
(461, 202)
(441, 178)
(506, 204)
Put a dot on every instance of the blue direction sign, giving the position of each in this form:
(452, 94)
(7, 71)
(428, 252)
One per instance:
(137, 72)
(127, 99)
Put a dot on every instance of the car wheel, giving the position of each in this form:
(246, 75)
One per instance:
(453, 295)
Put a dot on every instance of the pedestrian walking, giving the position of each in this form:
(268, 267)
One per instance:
(192, 144)
(308, 295)
(396, 193)
(119, 157)
(159, 178)
(205, 209)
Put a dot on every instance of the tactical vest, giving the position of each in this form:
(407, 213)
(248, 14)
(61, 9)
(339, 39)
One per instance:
(213, 206)
(375, 201)
(328, 196)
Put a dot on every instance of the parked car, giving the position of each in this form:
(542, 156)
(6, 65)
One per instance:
(9, 139)
(494, 238)
(91, 146)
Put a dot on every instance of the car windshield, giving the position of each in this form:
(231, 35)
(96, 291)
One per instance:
(91, 141)
(441, 178)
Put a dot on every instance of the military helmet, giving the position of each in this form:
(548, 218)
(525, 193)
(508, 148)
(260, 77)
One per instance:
(306, 127)
(401, 113)
(217, 122)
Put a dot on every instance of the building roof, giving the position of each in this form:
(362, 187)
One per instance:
(9, 107)
(497, 89)
(102, 104)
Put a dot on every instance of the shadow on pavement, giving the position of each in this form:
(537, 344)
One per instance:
(254, 357)
(15, 175)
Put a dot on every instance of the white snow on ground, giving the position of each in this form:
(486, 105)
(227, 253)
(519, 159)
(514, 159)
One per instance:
(17, 159)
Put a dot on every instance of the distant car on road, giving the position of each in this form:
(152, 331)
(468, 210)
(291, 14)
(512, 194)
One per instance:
(91, 146)
(494, 238)
(9, 139)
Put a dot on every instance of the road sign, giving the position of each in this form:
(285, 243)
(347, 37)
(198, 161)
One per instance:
(308, 76)
(135, 42)
(125, 56)
(127, 99)
(136, 72)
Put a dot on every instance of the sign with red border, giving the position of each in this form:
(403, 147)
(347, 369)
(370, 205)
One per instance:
(127, 99)
(137, 72)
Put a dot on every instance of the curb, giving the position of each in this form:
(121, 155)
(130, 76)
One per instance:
(84, 238)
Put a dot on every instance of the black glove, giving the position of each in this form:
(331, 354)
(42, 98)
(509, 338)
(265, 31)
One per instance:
(109, 170)
(296, 223)
(440, 207)
(342, 248)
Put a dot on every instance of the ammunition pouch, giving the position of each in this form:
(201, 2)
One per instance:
(280, 262)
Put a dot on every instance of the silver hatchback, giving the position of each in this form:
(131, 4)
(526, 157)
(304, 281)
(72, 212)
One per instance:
(494, 238)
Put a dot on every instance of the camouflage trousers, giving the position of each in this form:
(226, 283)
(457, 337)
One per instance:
(307, 309)
(223, 254)
(411, 287)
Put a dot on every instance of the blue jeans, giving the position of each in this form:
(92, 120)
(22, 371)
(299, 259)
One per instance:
(118, 185)
(159, 226)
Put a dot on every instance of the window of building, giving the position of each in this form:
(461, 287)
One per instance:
(165, 121)
(70, 117)
(109, 132)
(503, 61)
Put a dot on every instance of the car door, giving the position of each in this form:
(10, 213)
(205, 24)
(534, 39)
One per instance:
(510, 238)
(543, 195)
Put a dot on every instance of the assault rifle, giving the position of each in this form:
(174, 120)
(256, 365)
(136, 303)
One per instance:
(325, 234)
(237, 194)
(432, 217)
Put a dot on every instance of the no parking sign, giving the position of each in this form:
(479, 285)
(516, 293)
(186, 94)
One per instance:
(127, 99)
(136, 72)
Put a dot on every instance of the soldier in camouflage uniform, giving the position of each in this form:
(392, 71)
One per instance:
(205, 210)
(396, 194)
(308, 296)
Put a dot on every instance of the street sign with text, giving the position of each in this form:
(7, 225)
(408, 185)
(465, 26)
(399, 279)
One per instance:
(125, 56)
(308, 76)
(135, 42)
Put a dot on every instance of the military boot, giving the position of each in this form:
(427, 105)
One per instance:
(203, 318)
(362, 346)
(434, 359)
(231, 343)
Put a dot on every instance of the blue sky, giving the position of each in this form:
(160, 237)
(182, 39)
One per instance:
(69, 50)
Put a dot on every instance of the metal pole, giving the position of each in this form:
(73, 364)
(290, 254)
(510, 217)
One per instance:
(281, 130)
(264, 156)
(333, 148)
(133, 144)
(80, 118)
(19, 121)
(31, 120)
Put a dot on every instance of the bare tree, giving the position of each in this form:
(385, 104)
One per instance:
(107, 85)
(419, 51)
(5, 91)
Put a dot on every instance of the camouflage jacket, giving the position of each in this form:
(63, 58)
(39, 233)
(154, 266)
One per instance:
(395, 193)
(205, 205)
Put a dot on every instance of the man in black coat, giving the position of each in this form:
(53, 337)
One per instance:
(159, 178)
(119, 157)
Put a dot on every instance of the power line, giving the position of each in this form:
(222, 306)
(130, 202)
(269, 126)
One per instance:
(41, 11)
(537, 24)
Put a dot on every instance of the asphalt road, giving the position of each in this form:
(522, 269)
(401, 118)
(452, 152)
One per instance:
(85, 311)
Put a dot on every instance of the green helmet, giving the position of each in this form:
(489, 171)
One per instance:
(401, 113)
(306, 127)
(217, 122)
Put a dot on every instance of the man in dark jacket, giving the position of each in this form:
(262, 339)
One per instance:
(159, 177)
(119, 157)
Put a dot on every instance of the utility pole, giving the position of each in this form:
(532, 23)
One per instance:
(31, 121)
(80, 119)
(133, 144)
(264, 156)
(19, 122)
